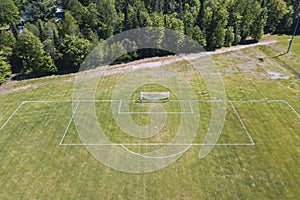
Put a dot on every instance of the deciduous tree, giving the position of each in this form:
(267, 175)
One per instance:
(35, 60)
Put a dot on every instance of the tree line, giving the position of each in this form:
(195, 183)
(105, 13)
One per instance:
(46, 45)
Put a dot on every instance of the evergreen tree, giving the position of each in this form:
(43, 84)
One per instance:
(229, 36)
(278, 12)
(68, 26)
(33, 29)
(9, 13)
(259, 24)
(38, 9)
(216, 32)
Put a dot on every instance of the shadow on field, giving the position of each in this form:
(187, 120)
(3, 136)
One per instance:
(279, 55)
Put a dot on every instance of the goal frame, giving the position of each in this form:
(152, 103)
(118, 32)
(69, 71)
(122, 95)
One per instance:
(165, 97)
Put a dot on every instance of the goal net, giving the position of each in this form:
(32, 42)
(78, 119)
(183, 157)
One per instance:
(154, 97)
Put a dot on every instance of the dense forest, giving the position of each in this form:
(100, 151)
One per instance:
(48, 36)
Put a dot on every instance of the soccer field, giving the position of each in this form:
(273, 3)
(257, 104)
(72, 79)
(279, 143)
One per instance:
(45, 154)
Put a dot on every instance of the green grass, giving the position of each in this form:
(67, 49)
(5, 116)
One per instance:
(34, 166)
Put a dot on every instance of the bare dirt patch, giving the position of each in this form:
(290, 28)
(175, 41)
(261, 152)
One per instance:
(276, 75)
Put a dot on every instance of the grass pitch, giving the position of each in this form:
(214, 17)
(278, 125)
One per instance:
(34, 166)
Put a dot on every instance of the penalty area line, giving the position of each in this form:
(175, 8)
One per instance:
(293, 109)
(11, 116)
(69, 124)
(241, 121)
(161, 144)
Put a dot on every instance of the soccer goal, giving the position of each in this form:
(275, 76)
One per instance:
(154, 97)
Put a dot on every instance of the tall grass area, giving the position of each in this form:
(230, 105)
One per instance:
(34, 166)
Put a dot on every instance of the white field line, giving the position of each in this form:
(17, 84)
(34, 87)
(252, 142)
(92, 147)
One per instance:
(293, 109)
(189, 100)
(183, 113)
(191, 107)
(158, 157)
(67, 101)
(11, 116)
(49, 101)
(119, 110)
(239, 101)
(73, 114)
(159, 144)
(241, 121)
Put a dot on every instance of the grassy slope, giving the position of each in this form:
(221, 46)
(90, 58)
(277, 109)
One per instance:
(33, 166)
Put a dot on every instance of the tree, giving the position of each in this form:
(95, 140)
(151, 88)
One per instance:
(33, 29)
(188, 20)
(76, 9)
(91, 21)
(38, 9)
(74, 50)
(35, 60)
(50, 49)
(229, 36)
(248, 12)
(5, 69)
(216, 33)
(201, 16)
(86, 2)
(50, 31)
(109, 19)
(296, 7)
(141, 17)
(68, 26)
(9, 12)
(259, 23)
(7, 43)
(235, 19)
(278, 12)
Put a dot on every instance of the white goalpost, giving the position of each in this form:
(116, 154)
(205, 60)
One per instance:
(153, 97)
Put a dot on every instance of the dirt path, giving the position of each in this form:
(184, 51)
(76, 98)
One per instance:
(8, 87)
(157, 62)
(229, 49)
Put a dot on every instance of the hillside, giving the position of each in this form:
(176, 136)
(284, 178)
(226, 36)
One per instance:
(256, 156)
